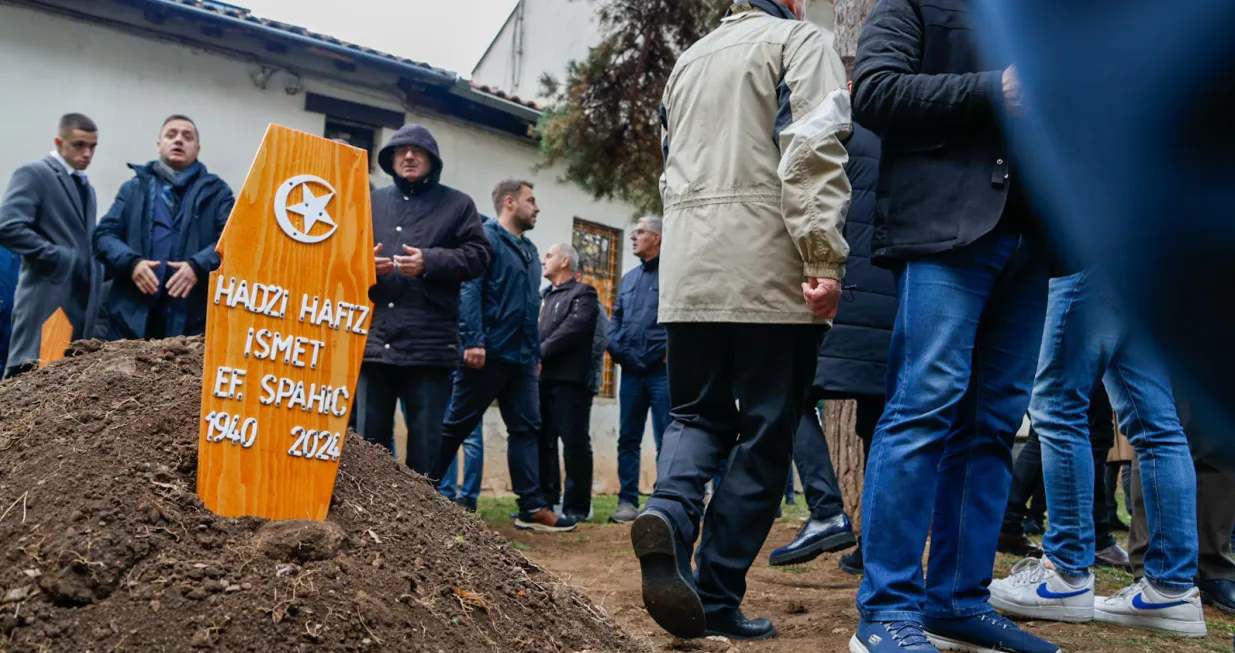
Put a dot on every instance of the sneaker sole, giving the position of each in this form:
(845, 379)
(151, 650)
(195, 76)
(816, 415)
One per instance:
(838, 542)
(541, 528)
(615, 520)
(856, 645)
(1046, 612)
(1184, 628)
(669, 599)
(945, 644)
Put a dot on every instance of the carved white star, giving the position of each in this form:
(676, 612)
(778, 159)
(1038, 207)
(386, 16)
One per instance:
(313, 209)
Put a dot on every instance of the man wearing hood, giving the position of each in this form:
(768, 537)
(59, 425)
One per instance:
(429, 240)
(157, 241)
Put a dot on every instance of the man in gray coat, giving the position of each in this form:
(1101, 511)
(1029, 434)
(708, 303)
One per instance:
(47, 218)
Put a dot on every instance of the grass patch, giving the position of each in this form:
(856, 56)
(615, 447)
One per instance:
(797, 569)
(519, 546)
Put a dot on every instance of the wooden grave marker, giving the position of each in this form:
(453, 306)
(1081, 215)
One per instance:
(57, 333)
(288, 314)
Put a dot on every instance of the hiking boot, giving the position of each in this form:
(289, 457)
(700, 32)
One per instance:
(625, 513)
(984, 632)
(545, 521)
(890, 637)
(1036, 591)
(1142, 605)
(668, 593)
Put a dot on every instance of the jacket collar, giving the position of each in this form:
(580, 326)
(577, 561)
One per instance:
(565, 285)
(650, 264)
(767, 6)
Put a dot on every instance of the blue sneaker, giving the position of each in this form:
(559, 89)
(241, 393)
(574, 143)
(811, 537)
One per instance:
(984, 633)
(890, 637)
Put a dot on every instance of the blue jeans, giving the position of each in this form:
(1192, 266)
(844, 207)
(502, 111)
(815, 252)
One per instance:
(473, 469)
(637, 394)
(964, 349)
(1087, 342)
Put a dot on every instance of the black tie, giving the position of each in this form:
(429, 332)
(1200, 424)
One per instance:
(83, 192)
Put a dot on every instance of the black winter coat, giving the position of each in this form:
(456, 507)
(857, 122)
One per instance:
(567, 327)
(854, 357)
(922, 84)
(416, 319)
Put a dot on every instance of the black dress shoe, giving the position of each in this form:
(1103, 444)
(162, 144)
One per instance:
(815, 538)
(734, 625)
(1218, 593)
(668, 595)
(1113, 557)
(851, 563)
(1018, 545)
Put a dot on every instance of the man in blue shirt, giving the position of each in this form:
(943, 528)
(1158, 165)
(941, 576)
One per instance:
(637, 343)
(498, 315)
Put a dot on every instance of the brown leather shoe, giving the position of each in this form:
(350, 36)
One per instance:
(1114, 557)
(1018, 545)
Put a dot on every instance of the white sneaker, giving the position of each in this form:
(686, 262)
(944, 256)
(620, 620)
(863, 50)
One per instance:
(1144, 606)
(1035, 591)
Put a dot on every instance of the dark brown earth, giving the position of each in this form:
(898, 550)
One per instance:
(812, 605)
(106, 547)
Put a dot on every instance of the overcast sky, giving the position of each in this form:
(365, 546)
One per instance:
(450, 34)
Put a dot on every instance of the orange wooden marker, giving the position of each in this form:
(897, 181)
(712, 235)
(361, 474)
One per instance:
(288, 316)
(57, 333)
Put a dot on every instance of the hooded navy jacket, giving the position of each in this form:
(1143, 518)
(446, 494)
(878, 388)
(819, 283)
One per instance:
(416, 319)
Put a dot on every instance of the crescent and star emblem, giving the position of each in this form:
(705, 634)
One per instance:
(312, 208)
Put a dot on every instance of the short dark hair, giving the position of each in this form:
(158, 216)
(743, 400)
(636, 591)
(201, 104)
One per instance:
(180, 116)
(507, 188)
(71, 121)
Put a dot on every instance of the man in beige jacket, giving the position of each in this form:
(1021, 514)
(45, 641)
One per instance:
(755, 197)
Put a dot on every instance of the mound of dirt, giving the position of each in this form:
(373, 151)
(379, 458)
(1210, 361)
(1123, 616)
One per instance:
(106, 546)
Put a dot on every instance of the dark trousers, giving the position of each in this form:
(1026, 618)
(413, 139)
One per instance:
(517, 393)
(1027, 473)
(564, 412)
(814, 463)
(1215, 509)
(738, 391)
(425, 391)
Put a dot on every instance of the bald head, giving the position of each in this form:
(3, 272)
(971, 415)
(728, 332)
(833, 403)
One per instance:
(798, 7)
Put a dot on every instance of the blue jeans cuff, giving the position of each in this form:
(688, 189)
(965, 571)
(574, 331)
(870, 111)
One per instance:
(1174, 586)
(963, 613)
(890, 615)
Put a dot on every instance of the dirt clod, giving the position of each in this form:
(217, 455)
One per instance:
(107, 546)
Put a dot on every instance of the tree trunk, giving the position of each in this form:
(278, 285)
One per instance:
(850, 16)
(839, 418)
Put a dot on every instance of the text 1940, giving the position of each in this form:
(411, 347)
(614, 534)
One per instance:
(224, 426)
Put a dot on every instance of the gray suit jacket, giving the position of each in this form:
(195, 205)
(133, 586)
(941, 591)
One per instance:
(42, 221)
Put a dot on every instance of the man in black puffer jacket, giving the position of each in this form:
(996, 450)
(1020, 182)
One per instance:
(852, 365)
(428, 240)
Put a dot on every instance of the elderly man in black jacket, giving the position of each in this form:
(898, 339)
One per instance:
(954, 226)
(429, 241)
(567, 330)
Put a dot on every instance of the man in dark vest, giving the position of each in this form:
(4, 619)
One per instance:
(157, 241)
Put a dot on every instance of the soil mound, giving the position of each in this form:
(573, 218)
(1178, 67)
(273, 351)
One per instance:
(106, 547)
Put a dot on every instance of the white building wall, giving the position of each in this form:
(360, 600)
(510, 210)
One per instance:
(554, 32)
(128, 84)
